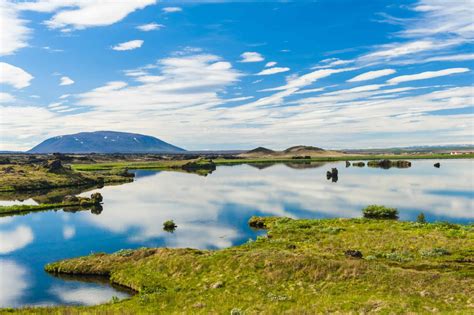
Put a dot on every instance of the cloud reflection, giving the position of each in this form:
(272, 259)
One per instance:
(13, 283)
(13, 240)
(198, 204)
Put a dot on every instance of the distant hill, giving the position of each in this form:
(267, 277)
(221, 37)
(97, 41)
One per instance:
(303, 148)
(292, 152)
(104, 142)
(261, 150)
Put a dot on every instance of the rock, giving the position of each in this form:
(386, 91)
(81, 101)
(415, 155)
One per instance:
(217, 285)
(54, 166)
(70, 199)
(386, 164)
(437, 165)
(8, 170)
(97, 198)
(353, 253)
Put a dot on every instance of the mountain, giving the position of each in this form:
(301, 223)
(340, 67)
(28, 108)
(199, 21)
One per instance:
(261, 150)
(104, 142)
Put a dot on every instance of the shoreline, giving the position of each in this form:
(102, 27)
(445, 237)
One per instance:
(421, 264)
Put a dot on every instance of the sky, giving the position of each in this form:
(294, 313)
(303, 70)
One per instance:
(207, 75)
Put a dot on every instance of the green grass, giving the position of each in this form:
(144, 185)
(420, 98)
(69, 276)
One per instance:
(299, 267)
(14, 178)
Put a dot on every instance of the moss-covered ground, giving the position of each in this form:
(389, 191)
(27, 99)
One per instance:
(299, 267)
(24, 177)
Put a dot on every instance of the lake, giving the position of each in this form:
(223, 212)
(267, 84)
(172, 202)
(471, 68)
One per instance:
(211, 212)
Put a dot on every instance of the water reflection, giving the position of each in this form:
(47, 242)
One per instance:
(212, 212)
(13, 282)
(14, 239)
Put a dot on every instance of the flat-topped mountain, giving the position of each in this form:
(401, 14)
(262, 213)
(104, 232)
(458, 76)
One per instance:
(104, 142)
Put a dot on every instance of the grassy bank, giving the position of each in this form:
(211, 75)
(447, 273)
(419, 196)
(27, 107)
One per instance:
(300, 267)
(14, 178)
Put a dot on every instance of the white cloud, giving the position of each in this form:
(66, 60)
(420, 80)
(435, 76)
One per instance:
(426, 75)
(372, 75)
(14, 76)
(273, 70)
(80, 14)
(6, 98)
(66, 81)
(251, 57)
(270, 64)
(14, 33)
(172, 9)
(130, 45)
(150, 27)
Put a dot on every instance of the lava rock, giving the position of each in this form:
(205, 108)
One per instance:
(353, 253)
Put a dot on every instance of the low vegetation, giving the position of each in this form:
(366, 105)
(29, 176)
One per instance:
(69, 202)
(328, 265)
(380, 212)
(25, 177)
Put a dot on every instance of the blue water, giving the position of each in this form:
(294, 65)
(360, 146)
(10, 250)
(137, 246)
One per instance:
(212, 212)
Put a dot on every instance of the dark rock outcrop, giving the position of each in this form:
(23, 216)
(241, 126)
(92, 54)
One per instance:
(353, 253)
(386, 164)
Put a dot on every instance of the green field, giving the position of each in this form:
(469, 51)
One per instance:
(299, 267)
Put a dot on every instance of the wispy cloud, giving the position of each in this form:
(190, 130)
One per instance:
(130, 45)
(372, 75)
(426, 75)
(150, 27)
(14, 34)
(172, 9)
(273, 70)
(14, 76)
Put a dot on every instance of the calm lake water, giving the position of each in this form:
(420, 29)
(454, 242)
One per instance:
(211, 212)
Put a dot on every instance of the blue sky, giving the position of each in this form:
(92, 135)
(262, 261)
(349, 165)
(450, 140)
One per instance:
(235, 75)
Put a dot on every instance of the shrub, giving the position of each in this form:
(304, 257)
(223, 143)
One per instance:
(421, 218)
(169, 226)
(380, 212)
(435, 252)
